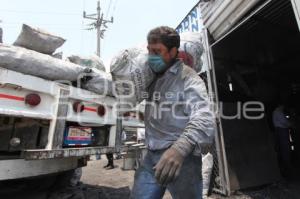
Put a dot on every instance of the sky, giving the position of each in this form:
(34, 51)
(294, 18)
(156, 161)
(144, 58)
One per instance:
(132, 21)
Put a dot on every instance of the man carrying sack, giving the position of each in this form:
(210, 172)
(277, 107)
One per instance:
(178, 122)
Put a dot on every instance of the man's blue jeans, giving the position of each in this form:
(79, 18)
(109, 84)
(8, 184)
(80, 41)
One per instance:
(187, 185)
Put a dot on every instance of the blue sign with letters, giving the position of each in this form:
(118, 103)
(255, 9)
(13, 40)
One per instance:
(192, 22)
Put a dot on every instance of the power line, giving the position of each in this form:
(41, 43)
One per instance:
(108, 9)
(114, 8)
(53, 26)
(56, 28)
(39, 12)
(41, 24)
(66, 24)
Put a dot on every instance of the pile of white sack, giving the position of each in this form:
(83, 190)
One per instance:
(33, 53)
(37, 64)
(97, 80)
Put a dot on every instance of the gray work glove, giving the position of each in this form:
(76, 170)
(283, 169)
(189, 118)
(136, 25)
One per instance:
(168, 167)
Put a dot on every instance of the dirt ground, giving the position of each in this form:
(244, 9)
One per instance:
(112, 184)
(116, 183)
(99, 183)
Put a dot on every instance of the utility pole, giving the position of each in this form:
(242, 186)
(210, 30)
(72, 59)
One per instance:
(99, 22)
(1, 32)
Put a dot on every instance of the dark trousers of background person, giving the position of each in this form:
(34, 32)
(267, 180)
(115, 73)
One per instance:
(283, 150)
(110, 158)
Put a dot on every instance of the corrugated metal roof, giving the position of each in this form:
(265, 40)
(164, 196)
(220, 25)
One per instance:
(272, 14)
(220, 16)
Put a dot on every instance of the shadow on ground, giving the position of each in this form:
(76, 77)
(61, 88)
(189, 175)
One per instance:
(82, 191)
(85, 191)
(281, 190)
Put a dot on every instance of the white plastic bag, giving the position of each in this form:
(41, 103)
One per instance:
(207, 166)
(37, 64)
(38, 40)
(99, 82)
(191, 50)
(131, 75)
(88, 61)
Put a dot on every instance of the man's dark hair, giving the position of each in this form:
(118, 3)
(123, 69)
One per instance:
(165, 35)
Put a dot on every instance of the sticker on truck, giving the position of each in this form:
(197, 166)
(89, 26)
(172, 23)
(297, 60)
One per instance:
(78, 136)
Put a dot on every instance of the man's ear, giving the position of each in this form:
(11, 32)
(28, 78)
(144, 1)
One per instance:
(173, 52)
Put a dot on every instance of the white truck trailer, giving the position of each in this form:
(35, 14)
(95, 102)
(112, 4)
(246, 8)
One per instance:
(49, 127)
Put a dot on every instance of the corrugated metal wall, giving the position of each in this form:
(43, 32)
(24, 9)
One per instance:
(219, 16)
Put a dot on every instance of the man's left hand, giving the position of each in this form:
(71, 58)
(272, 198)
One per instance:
(168, 167)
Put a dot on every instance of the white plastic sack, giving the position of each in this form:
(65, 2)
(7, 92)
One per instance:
(90, 61)
(37, 64)
(99, 82)
(207, 166)
(38, 40)
(131, 75)
(191, 50)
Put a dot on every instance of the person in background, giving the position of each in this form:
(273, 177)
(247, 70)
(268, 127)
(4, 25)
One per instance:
(109, 156)
(282, 123)
(140, 135)
(124, 136)
(178, 123)
(110, 159)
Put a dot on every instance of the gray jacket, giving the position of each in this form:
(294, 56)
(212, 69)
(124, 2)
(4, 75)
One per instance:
(178, 113)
